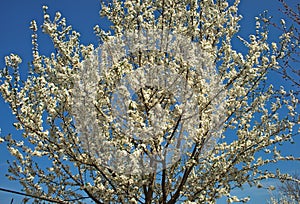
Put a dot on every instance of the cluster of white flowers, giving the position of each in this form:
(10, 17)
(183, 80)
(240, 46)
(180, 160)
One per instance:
(137, 98)
(156, 104)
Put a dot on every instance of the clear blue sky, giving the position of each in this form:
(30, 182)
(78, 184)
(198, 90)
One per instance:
(83, 15)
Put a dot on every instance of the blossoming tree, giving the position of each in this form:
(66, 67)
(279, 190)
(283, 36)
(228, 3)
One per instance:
(165, 110)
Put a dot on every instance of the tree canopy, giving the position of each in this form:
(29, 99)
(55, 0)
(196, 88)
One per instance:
(165, 110)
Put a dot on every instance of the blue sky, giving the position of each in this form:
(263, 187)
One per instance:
(83, 15)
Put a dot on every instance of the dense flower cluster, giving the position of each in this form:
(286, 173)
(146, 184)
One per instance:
(70, 98)
(153, 101)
